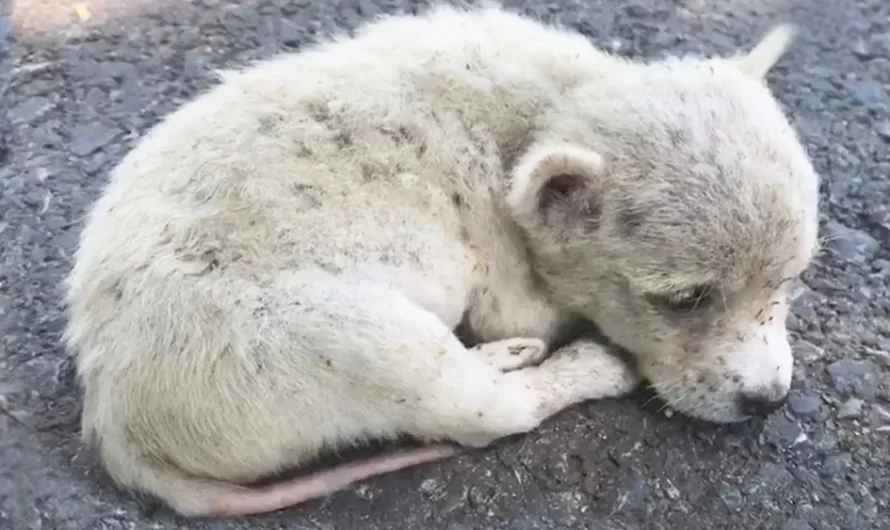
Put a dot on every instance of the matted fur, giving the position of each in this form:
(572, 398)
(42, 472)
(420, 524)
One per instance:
(278, 266)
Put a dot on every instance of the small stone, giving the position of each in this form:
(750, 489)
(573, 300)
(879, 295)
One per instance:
(835, 466)
(636, 11)
(882, 355)
(862, 50)
(807, 351)
(429, 485)
(4, 30)
(479, 496)
(883, 130)
(633, 492)
(797, 524)
(290, 33)
(771, 479)
(122, 72)
(455, 497)
(672, 492)
(852, 408)
(881, 41)
(804, 404)
(825, 442)
(881, 265)
(860, 378)
(364, 492)
(804, 304)
(29, 110)
(87, 139)
(869, 93)
(195, 63)
(781, 431)
(880, 416)
(732, 498)
(854, 246)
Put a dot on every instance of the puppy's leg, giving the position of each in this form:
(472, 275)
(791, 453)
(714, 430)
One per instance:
(578, 372)
(299, 364)
(586, 370)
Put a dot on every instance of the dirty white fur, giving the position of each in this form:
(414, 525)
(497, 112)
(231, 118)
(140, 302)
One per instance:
(278, 267)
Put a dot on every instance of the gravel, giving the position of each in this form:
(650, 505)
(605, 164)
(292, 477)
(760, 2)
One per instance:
(804, 404)
(861, 378)
(852, 408)
(76, 94)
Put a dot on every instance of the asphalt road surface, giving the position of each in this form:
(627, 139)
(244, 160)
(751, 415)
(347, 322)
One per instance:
(78, 86)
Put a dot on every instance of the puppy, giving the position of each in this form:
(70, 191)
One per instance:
(279, 266)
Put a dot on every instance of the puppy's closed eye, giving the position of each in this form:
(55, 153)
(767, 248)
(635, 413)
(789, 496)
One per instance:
(684, 300)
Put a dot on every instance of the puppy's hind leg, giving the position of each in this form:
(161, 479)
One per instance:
(349, 361)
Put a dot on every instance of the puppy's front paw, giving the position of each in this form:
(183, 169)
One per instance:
(601, 373)
(512, 354)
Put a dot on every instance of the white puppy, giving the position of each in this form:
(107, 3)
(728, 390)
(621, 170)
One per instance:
(279, 266)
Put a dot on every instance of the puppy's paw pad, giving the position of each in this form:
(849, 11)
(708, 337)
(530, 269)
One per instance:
(512, 354)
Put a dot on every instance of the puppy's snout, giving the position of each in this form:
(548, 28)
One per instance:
(760, 405)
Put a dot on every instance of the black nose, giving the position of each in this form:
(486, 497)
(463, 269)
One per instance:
(759, 405)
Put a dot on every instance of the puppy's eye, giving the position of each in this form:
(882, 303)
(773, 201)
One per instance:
(684, 300)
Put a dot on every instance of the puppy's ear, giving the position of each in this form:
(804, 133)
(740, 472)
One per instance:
(558, 184)
(761, 59)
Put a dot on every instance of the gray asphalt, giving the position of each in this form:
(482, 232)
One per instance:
(76, 94)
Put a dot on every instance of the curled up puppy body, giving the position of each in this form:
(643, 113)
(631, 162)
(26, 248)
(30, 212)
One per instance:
(279, 266)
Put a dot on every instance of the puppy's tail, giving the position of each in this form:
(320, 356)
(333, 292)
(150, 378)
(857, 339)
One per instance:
(761, 59)
(191, 497)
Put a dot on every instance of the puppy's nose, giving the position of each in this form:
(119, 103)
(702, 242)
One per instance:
(760, 405)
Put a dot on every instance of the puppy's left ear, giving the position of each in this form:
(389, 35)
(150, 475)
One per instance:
(761, 59)
(558, 185)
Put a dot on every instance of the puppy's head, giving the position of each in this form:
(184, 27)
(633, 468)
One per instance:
(672, 204)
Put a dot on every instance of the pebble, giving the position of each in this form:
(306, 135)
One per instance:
(672, 492)
(808, 351)
(825, 442)
(804, 305)
(195, 63)
(797, 524)
(290, 34)
(479, 495)
(29, 110)
(852, 408)
(869, 94)
(87, 139)
(732, 498)
(883, 130)
(780, 431)
(771, 479)
(836, 466)
(854, 246)
(862, 50)
(455, 497)
(804, 404)
(429, 485)
(633, 492)
(860, 378)
(880, 416)
(4, 31)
